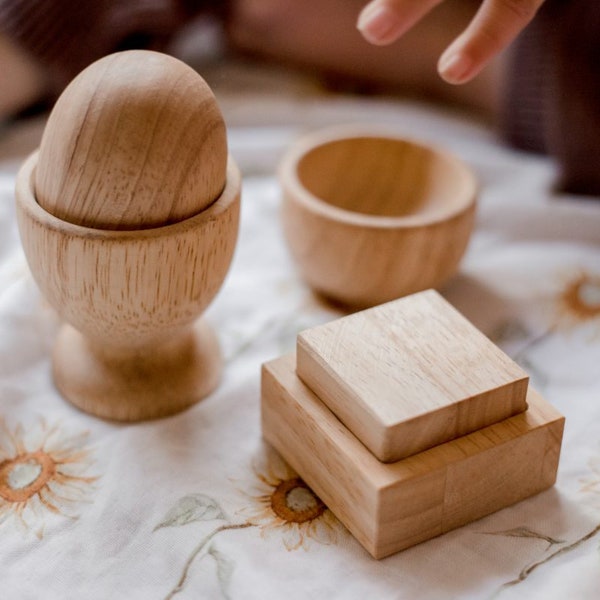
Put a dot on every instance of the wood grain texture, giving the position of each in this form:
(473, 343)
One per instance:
(370, 217)
(389, 507)
(125, 385)
(135, 141)
(410, 374)
(131, 294)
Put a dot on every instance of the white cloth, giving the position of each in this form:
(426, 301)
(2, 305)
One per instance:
(182, 507)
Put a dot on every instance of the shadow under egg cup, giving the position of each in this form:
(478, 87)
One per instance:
(370, 217)
(132, 348)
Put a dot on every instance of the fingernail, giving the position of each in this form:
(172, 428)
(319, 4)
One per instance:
(454, 67)
(377, 24)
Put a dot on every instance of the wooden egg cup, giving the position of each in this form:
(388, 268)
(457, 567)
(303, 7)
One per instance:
(133, 349)
(370, 217)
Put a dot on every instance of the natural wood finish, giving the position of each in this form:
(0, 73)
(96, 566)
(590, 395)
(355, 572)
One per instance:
(134, 296)
(370, 217)
(410, 374)
(116, 383)
(135, 141)
(129, 217)
(389, 507)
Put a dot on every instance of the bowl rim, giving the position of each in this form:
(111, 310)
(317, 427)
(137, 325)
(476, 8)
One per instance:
(289, 180)
(27, 202)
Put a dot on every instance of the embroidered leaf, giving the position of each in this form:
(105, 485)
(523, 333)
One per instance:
(561, 551)
(224, 570)
(195, 507)
(525, 532)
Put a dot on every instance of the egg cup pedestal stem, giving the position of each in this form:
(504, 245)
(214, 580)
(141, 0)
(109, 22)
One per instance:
(132, 384)
(133, 348)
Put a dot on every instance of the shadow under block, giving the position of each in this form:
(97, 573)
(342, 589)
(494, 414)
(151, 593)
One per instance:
(410, 374)
(391, 506)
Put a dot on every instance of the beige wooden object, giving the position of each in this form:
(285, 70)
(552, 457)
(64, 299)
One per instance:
(136, 140)
(132, 348)
(410, 374)
(370, 217)
(389, 507)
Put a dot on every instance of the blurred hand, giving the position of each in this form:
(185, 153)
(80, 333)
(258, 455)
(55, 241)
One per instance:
(22, 81)
(494, 27)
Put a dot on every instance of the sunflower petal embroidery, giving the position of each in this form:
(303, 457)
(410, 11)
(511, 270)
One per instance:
(591, 483)
(579, 301)
(293, 537)
(283, 505)
(42, 472)
(192, 508)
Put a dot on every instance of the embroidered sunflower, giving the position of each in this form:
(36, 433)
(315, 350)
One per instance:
(41, 472)
(284, 504)
(591, 484)
(579, 301)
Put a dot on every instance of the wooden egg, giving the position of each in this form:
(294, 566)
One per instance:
(370, 217)
(136, 141)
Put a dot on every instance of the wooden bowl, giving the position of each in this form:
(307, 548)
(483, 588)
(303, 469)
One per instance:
(370, 217)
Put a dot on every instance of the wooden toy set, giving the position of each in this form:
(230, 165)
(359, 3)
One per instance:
(408, 422)
(404, 418)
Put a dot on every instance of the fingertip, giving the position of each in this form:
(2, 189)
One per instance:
(456, 67)
(379, 24)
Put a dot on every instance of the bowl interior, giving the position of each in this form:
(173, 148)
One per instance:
(385, 177)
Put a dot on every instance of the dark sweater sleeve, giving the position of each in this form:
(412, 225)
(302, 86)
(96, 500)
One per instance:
(65, 36)
(552, 99)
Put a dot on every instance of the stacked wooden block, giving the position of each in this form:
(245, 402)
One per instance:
(408, 422)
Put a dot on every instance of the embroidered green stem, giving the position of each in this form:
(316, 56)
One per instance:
(182, 580)
(528, 570)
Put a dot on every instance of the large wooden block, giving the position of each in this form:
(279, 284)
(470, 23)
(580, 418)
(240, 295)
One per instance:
(389, 507)
(409, 375)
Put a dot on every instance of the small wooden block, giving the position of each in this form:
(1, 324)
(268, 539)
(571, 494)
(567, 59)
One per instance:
(410, 374)
(389, 507)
